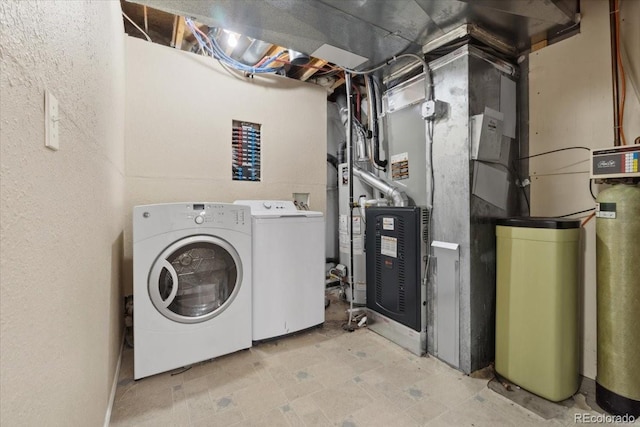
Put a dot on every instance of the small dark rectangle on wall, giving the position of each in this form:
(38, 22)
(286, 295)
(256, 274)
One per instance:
(245, 151)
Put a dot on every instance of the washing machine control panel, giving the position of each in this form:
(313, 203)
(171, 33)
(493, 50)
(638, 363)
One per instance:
(269, 206)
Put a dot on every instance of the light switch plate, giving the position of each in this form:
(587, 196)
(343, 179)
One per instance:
(51, 121)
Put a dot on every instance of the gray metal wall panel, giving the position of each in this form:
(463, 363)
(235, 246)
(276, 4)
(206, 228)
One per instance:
(406, 134)
(452, 182)
(468, 84)
(484, 84)
(447, 294)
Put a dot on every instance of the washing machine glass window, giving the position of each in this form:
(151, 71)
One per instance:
(195, 279)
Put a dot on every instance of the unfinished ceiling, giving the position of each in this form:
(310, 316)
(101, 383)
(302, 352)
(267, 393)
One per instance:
(349, 33)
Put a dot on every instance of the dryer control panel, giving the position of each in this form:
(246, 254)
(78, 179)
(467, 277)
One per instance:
(149, 219)
(215, 213)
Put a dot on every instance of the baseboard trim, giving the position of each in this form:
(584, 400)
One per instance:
(114, 385)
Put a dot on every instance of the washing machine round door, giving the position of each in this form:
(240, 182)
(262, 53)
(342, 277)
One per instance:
(195, 279)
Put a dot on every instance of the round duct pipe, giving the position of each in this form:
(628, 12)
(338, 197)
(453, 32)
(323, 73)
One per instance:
(298, 58)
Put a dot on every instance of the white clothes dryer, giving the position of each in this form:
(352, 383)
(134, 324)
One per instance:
(191, 283)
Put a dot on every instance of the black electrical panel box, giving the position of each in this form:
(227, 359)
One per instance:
(394, 263)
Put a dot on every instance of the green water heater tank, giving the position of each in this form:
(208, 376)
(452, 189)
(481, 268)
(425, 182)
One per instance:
(618, 299)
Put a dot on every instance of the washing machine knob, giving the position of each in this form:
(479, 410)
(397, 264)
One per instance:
(267, 205)
(199, 219)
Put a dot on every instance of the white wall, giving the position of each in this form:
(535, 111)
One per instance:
(570, 102)
(179, 112)
(61, 212)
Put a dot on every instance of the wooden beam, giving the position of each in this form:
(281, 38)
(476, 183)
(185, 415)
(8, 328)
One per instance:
(179, 33)
(277, 63)
(273, 51)
(146, 20)
(308, 72)
(539, 45)
(173, 33)
(338, 83)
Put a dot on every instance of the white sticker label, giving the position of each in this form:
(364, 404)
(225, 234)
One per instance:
(389, 246)
(357, 228)
(387, 223)
(606, 210)
(606, 214)
(345, 243)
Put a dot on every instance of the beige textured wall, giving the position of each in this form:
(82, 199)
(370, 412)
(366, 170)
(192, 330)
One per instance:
(179, 112)
(570, 101)
(61, 214)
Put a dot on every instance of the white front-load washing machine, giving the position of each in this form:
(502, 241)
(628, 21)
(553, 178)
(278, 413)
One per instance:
(191, 283)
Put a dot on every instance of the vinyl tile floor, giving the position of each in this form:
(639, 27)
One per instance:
(322, 377)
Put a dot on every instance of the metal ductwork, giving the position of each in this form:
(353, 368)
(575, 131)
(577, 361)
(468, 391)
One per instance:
(398, 197)
(375, 30)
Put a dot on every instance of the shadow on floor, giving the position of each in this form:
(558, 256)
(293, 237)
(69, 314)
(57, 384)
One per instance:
(584, 399)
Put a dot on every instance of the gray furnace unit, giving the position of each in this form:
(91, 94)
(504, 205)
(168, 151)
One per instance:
(474, 145)
(396, 291)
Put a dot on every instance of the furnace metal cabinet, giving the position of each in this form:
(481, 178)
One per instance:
(470, 191)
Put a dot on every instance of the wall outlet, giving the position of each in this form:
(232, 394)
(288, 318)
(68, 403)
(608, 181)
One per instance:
(51, 121)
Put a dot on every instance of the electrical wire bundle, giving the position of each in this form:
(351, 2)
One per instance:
(210, 45)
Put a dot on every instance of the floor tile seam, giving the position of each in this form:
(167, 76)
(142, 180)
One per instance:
(316, 406)
(145, 399)
(373, 398)
(188, 398)
(300, 416)
(472, 397)
(186, 404)
(422, 401)
(406, 412)
(246, 416)
(131, 390)
(516, 404)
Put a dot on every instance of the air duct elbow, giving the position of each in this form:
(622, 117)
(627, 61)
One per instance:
(398, 197)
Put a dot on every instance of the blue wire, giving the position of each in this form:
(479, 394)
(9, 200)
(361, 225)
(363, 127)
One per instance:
(218, 53)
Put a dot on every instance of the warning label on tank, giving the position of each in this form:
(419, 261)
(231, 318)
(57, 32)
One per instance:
(606, 210)
(389, 246)
(400, 166)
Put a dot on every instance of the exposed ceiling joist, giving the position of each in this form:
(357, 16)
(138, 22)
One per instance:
(315, 66)
(179, 33)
